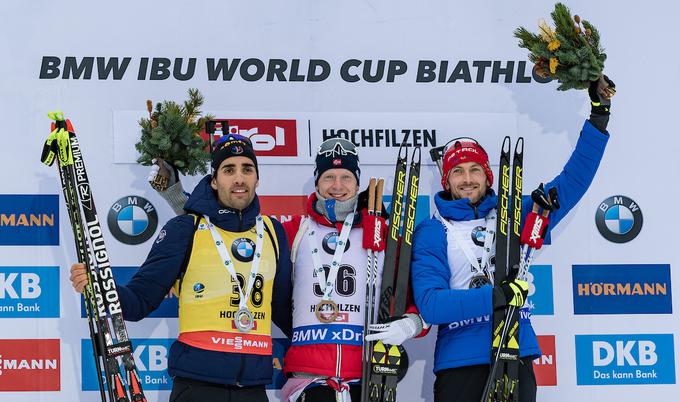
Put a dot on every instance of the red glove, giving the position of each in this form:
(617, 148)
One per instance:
(375, 231)
(535, 228)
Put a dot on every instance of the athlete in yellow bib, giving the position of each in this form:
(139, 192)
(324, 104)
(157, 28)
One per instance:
(231, 268)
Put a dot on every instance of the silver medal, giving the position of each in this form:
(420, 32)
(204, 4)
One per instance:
(243, 319)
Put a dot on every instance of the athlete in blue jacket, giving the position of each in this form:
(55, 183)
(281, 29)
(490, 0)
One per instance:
(442, 276)
(224, 347)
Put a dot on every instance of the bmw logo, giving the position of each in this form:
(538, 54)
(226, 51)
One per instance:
(478, 235)
(619, 219)
(330, 242)
(132, 220)
(243, 249)
(199, 287)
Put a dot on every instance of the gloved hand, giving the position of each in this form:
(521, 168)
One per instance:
(601, 92)
(162, 175)
(78, 277)
(397, 331)
(374, 231)
(512, 292)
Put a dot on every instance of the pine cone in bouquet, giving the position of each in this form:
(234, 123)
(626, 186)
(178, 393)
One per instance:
(171, 133)
(570, 52)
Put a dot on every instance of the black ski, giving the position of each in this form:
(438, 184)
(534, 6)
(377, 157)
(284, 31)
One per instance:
(388, 362)
(92, 252)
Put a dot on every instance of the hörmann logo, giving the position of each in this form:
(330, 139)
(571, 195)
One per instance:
(29, 292)
(30, 365)
(625, 359)
(270, 137)
(622, 289)
(29, 220)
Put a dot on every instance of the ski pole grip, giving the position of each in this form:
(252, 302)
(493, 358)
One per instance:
(371, 195)
(379, 196)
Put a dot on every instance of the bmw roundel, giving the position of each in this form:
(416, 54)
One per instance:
(478, 235)
(330, 242)
(619, 219)
(243, 249)
(132, 220)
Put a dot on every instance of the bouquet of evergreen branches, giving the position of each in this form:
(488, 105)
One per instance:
(570, 52)
(171, 133)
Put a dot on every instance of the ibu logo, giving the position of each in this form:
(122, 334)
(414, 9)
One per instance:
(168, 308)
(151, 358)
(29, 292)
(625, 359)
(540, 301)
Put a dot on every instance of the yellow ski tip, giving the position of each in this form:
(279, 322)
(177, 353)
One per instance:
(56, 115)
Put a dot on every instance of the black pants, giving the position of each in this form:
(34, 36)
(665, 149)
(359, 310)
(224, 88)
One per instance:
(324, 393)
(466, 384)
(188, 390)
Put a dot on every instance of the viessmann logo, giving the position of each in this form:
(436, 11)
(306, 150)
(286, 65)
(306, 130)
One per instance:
(29, 220)
(29, 365)
(283, 207)
(270, 137)
(622, 289)
(545, 367)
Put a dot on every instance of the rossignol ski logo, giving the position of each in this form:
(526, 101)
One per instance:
(132, 220)
(619, 219)
(81, 175)
(105, 274)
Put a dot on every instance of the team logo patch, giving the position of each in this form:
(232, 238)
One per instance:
(237, 149)
(478, 235)
(619, 219)
(330, 242)
(199, 287)
(132, 220)
(161, 236)
(243, 249)
(337, 162)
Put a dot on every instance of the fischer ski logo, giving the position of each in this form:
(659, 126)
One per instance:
(619, 219)
(132, 220)
(398, 207)
(505, 202)
(411, 213)
(518, 200)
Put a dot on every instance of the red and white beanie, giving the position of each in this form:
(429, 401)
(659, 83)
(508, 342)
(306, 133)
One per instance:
(465, 151)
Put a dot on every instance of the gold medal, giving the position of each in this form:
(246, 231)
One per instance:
(326, 311)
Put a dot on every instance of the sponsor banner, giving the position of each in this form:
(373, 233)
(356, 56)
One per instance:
(29, 220)
(540, 301)
(283, 207)
(29, 292)
(30, 365)
(293, 138)
(622, 289)
(324, 333)
(422, 207)
(132, 220)
(625, 359)
(545, 367)
(151, 358)
(168, 307)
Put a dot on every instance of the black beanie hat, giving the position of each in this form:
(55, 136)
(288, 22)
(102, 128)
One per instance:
(232, 145)
(336, 153)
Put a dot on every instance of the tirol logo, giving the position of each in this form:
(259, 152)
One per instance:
(151, 358)
(29, 292)
(622, 289)
(330, 243)
(168, 307)
(132, 220)
(540, 300)
(283, 207)
(243, 249)
(29, 220)
(545, 367)
(618, 219)
(269, 137)
(625, 359)
(30, 365)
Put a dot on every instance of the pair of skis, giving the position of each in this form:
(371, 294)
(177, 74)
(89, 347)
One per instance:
(384, 365)
(108, 334)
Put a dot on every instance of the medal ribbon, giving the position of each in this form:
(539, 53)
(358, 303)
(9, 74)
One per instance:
(488, 241)
(228, 263)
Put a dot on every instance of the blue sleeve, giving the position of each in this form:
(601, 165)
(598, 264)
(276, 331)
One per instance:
(149, 286)
(430, 275)
(576, 176)
(282, 294)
